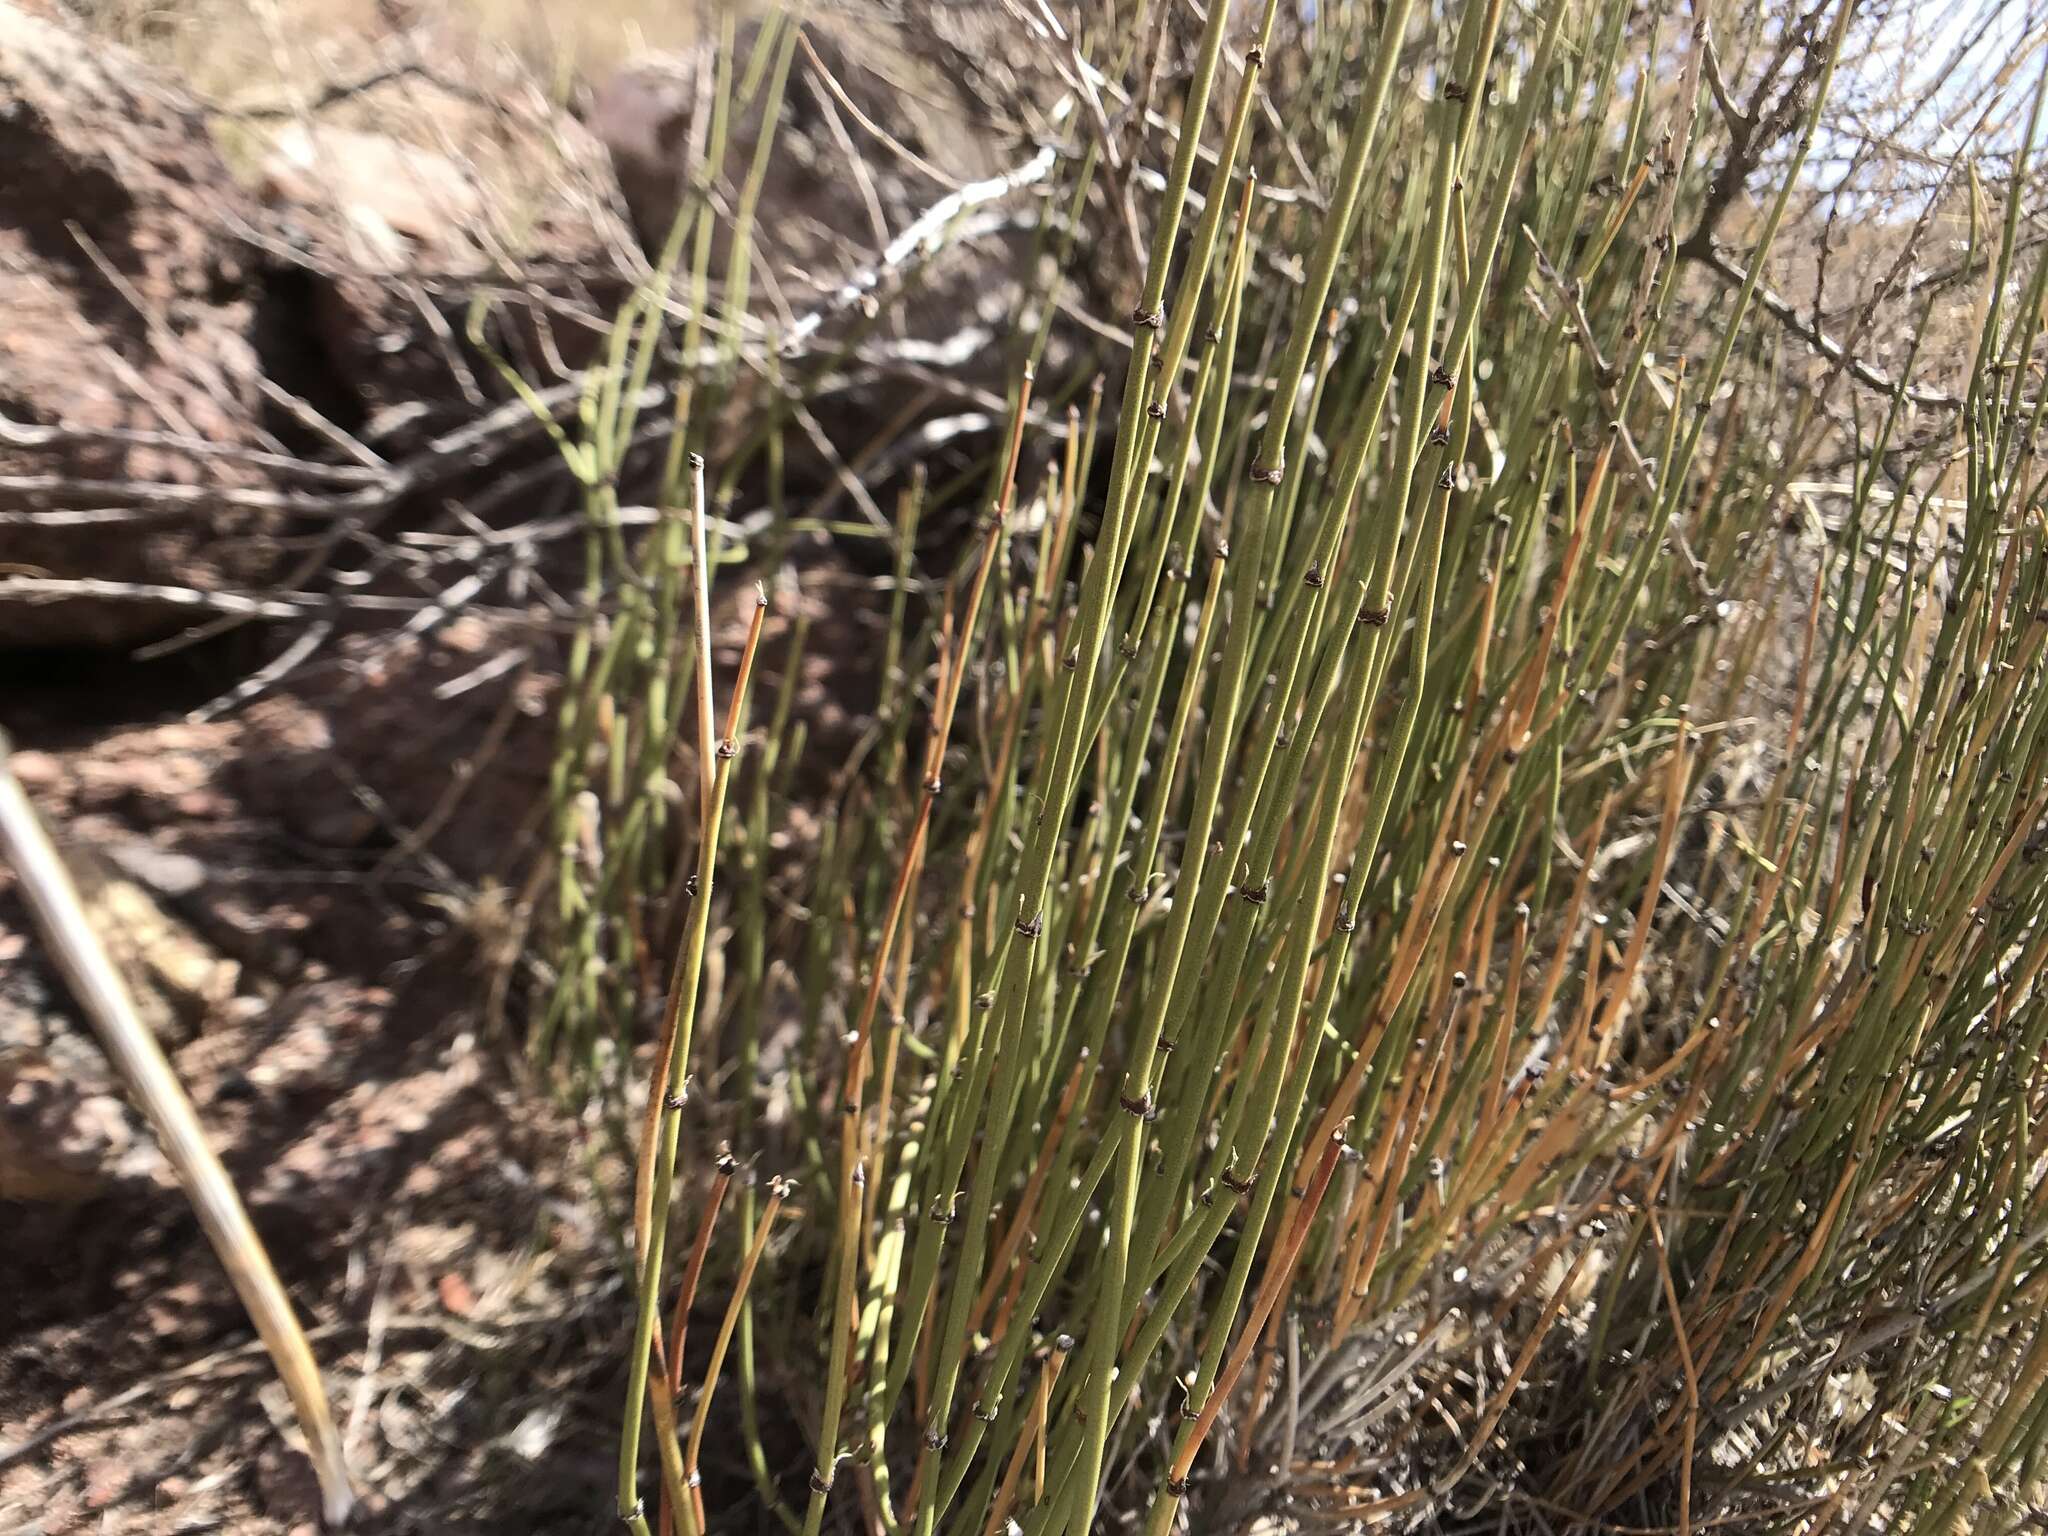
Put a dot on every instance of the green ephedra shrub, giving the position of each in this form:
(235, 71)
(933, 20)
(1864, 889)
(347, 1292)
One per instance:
(1419, 934)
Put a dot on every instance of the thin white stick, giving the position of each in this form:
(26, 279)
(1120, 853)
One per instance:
(925, 236)
(60, 917)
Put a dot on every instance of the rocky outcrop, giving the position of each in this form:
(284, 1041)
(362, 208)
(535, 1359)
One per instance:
(391, 231)
(856, 100)
(183, 352)
(130, 380)
(205, 374)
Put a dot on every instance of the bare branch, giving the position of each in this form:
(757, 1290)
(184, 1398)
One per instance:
(1781, 309)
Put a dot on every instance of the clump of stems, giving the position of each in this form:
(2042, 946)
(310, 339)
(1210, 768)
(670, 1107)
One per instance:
(1295, 932)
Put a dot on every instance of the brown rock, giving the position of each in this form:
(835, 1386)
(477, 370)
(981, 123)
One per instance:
(814, 215)
(42, 1157)
(176, 979)
(401, 210)
(129, 320)
(152, 306)
(394, 199)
